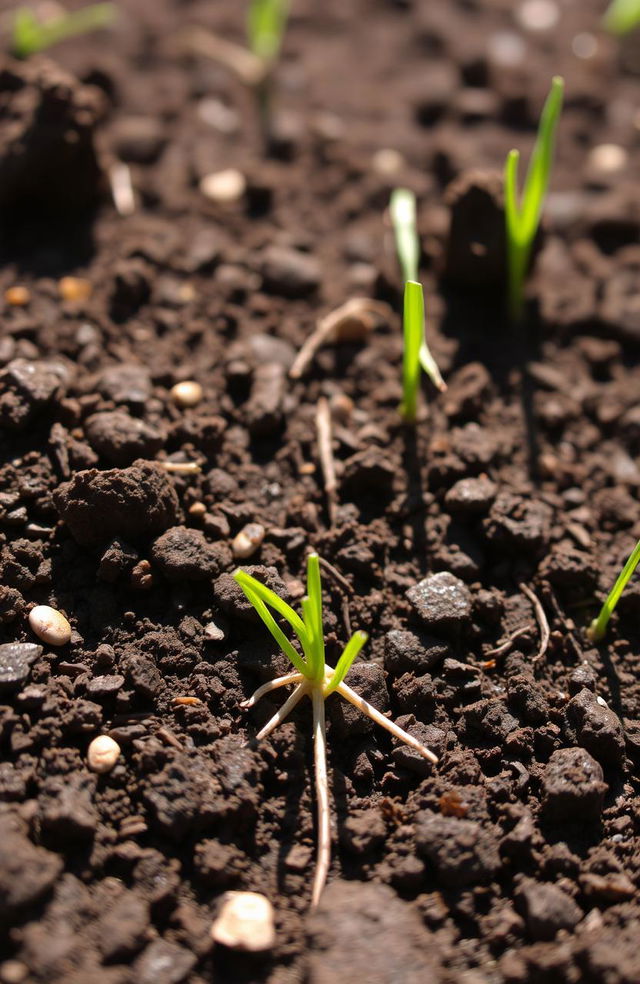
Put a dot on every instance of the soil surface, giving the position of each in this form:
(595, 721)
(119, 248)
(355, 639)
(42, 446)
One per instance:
(512, 504)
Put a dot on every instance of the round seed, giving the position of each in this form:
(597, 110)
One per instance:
(247, 541)
(187, 393)
(17, 296)
(607, 158)
(74, 289)
(245, 922)
(50, 625)
(224, 186)
(102, 754)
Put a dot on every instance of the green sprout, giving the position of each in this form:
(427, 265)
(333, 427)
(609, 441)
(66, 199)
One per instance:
(266, 23)
(622, 16)
(598, 627)
(314, 679)
(523, 217)
(30, 35)
(402, 209)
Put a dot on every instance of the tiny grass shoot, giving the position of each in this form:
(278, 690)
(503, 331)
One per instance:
(413, 329)
(266, 23)
(31, 35)
(402, 209)
(522, 213)
(598, 627)
(314, 679)
(622, 16)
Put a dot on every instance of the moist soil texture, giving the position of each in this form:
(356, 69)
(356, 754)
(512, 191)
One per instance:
(473, 548)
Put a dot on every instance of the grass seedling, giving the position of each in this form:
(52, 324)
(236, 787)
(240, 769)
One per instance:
(598, 627)
(622, 16)
(266, 23)
(402, 209)
(413, 330)
(314, 679)
(523, 214)
(30, 35)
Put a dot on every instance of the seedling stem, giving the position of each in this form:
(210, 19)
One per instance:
(598, 627)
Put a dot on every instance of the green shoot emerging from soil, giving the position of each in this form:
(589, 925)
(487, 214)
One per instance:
(402, 209)
(413, 328)
(622, 16)
(31, 35)
(266, 23)
(598, 627)
(523, 214)
(314, 679)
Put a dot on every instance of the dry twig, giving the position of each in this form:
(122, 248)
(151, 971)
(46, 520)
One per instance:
(351, 322)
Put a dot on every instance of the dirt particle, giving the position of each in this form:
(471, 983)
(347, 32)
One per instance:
(184, 554)
(120, 438)
(573, 786)
(546, 909)
(27, 872)
(461, 851)
(289, 272)
(16, 660)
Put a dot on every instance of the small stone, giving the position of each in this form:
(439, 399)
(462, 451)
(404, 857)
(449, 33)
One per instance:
(607, 159)
(573, 786)
(121, 438)
(248, 541)
(404, 651)
(75, 289)
(16, 660)
(387, 162)
(185, 554)
(289, 272)
(17, 296)
(224, 186)
(245, 922)
(187, 393)
(164, 963)
(597, 728)
(546, 909)
(471, 496)
(26, 388)
(102, 754)
(105, 686)
(442, 602)
(538, 15)
(126, 384)
(50, 625)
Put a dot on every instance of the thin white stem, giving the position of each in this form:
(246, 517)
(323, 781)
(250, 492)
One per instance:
(266, 688)
(384, 722)
(322, 795)
(284, 711)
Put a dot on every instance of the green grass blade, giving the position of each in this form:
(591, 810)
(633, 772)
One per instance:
(539, 170)
(31, 35)
(25, 35)
(413, 328)
(622, 16)
(260, 596)
(314, 593)
(402, 209)
(351, 650)
(598, 627)
(266, 24)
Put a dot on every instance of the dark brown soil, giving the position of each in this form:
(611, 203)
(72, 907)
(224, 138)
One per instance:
(516, 859)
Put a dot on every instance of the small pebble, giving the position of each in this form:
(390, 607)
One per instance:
(50, 625)
(187, 393)
(74, 289)
(607, 158)
(584, 45)
(248, 541)
(538, 15)
(506, 49)
(245, 922)
(103, 753)
(224, 186)
(387, 161)
(17, 296)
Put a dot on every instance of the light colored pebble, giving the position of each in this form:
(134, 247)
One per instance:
(186, 394)
(506, 49)
(584, 45)
(538, 15)
(245, 922)
(17, 296)
(75, 289)
(247, 541)
(224, 186)
(607, 158)
(50, 625)
(387, 161)
(103, 753)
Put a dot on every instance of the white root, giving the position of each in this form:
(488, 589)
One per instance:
(384, 722)
(250, 69)
(322, 796)
(351, 322)
(325, 453)
(122, 191)
(266, 688)
(285, 710)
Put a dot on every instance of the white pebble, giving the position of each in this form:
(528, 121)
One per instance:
(245, 922)
(507, 49)
(607, 158)
(247, 541)
(186, 394)
(50, 625)
(538, 15)
(584, 45)
(224, 186)
(103, 753)
(387, 161)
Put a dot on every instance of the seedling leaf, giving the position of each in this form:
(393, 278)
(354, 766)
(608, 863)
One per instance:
(266, 23)
(30, 35)
(622, 16)
(260, 596)
(598, 627)
(351, 650)
(413, 329)
(522, 217)
(402, 209)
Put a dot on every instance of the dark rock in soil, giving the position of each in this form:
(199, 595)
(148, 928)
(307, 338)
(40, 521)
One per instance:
(470, 496)
(573, 787)
(442, 602)
(183, 554)
(518, 523)
(596, 728)
(461, 851)
(47, 156)
(27, 388)
(289, 272)
(546, 909)
(121, 439)
(359, 929)
(133, 502)
(405, 652)
(126, 384)
(123, 929)
(16, 660)
(67, 812)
